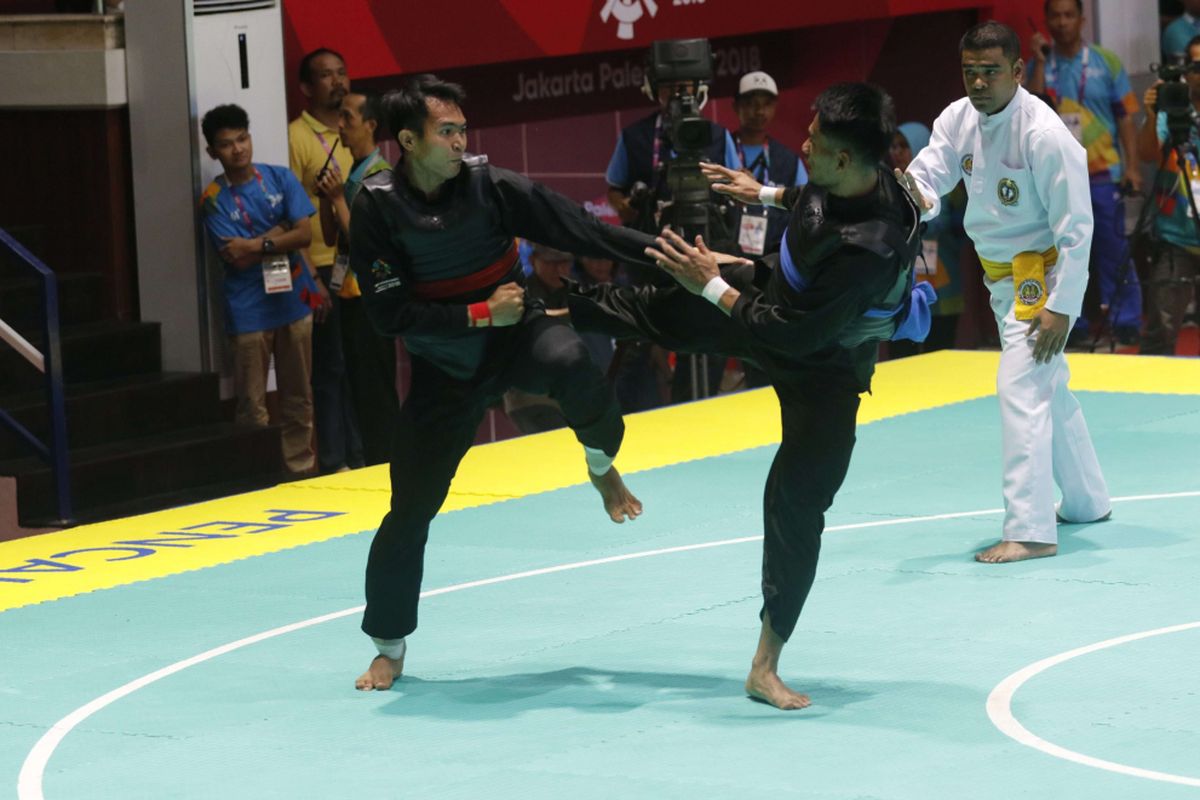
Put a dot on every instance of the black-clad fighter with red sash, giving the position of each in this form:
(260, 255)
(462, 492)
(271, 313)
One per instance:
(431, 244)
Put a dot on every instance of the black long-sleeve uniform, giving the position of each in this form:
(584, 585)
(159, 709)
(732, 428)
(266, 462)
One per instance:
(853, 253)
(419, 265)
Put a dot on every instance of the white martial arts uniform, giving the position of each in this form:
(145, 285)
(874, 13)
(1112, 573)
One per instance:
(1027, 190)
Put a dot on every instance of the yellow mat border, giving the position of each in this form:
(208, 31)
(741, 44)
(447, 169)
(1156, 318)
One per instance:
(66, 563)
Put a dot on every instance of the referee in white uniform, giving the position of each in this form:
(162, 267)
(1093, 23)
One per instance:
(1029, 214)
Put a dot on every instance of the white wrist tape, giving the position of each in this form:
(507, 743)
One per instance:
(714, 290)
(767, 194)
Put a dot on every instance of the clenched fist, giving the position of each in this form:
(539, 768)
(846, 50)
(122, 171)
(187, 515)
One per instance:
(507, 304)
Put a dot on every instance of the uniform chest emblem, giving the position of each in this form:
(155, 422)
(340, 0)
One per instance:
(384, 276)
(968, 161)
(1008, 192)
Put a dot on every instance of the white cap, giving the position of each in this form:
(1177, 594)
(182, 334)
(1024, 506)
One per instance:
(757, 82)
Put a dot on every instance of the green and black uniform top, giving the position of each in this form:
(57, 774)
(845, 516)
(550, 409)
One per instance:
(420, 263)
(841, 258)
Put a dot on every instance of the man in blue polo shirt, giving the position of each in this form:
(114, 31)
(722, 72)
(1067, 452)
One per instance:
(257, 217)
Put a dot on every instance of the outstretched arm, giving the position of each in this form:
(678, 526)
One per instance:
(742, 186)
(840, 292)
(539, 214)
(934, 171)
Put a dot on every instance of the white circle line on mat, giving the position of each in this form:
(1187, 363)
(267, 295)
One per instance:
(999, 709)
(31, 777)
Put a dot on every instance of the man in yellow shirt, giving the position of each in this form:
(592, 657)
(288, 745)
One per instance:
(313, 146)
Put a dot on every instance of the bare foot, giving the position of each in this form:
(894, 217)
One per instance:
(380, 675)
(764, 684)
(619, 502)
(1004, 552)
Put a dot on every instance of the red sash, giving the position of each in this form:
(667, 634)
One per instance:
(491, 274)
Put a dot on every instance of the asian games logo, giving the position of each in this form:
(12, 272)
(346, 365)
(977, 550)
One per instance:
(627, 12)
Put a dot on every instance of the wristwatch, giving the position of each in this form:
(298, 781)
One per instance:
(268, 246)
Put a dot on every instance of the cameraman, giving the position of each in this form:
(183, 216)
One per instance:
(641, 156)
(1176, 262)
(638, 155)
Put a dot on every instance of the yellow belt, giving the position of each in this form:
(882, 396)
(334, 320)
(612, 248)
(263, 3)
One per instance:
(1004, 269)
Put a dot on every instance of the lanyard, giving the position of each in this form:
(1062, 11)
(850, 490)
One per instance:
(1052, 78)
(763, 161)
(328, 150)
(658, 130)
(237, 198)
(356, 174)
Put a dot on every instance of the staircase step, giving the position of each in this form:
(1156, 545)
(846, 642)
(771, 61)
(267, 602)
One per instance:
(91, 352)
(80, 301)
(141, 473)
(122, 408)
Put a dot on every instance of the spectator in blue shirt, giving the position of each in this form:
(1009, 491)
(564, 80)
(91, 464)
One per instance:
(1176, 36)
(257, 218)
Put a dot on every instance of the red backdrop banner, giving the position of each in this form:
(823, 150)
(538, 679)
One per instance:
(386, 37)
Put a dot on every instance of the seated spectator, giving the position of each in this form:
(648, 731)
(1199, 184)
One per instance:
(590, 272)
(534, 413)
(257, 217)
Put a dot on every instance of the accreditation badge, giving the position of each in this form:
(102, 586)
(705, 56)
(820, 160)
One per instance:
(341, 265)
(752, 234)
(1029, 284)
(277, 273)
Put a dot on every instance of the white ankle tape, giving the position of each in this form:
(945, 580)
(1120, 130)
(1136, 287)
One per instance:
(392, 648)
(598, 461)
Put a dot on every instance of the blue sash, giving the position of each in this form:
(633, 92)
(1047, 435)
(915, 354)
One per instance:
(916, 319)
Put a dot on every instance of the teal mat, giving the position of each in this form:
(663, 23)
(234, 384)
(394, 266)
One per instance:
(624, 679)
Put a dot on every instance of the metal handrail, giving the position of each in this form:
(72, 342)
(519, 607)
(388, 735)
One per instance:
(55, 451)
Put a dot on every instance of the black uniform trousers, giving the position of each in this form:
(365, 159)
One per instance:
(436, 427)
(818, 417)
